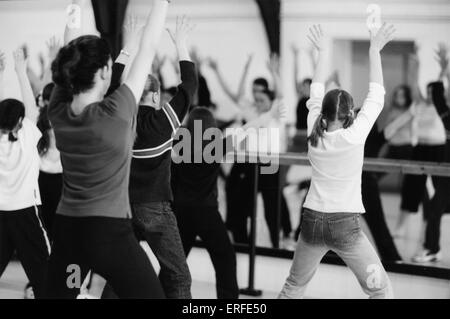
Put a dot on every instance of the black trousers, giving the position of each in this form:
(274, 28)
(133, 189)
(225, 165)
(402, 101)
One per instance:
(434, 209)
(374, 217)
(22, 231)
(207, 223)
(50, 186)
(239, 192)
(414, 192)
(106, 246)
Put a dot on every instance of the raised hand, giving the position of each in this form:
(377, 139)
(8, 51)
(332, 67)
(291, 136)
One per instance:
(179, 38)
(20, 61)
(132, 30)
(317, 37)
(379, 39)
(2, 62)
(182, 30)
(442, 56)
(53, 46)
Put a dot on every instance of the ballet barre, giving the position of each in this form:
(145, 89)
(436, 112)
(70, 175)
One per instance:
(380, 165)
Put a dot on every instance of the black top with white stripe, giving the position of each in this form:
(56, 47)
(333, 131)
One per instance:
(150, 166)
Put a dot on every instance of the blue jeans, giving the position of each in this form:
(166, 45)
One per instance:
(156, 224)
(342, 234)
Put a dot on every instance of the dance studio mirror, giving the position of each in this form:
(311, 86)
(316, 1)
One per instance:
(250, 53)
(395, 202)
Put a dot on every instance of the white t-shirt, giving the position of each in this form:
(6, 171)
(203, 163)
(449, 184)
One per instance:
(431, 130)
(337, 160)
(19, 169)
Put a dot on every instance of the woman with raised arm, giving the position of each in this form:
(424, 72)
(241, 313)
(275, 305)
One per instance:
(95, 135)
(435, 208)
(330, 219)
(21, 229)
(430, 139)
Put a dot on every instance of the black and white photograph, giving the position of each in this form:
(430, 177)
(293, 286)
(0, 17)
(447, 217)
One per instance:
(225, 154)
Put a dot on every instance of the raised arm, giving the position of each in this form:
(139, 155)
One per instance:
(189, 80)
(314, 104)
(377, 42)
(317, 37)
(132, 33)
(53, 47)
(2, 75)
(31, 111)
(295, 53)
(374, 102)
(275, 70)
(443, 60)
(413, 76)
(234, 96)
(143, 61)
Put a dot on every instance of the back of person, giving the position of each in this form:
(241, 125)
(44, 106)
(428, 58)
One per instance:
(19, 169)
(431, 130)
(336, 169)
(338, 157)
(195, 184)
(95, 149)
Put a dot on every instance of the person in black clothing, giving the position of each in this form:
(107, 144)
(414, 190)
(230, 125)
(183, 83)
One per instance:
(194, 187)
(150, 193)
(435, 208)
(196, 208)
(372, 202)
(92, 227)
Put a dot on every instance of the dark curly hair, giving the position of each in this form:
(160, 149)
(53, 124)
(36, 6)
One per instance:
(77, 63)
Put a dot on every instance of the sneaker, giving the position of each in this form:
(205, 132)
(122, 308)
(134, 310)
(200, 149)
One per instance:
(426, 256)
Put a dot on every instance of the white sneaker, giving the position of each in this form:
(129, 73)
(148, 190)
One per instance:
(426, 256)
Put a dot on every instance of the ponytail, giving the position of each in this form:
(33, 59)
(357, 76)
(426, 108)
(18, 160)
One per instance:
(320, 125)
(348, 121)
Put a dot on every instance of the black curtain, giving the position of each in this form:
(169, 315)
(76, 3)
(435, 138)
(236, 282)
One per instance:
(109, 18)
(270, 12)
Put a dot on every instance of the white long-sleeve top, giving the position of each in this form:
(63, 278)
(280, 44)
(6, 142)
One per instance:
(337, 160)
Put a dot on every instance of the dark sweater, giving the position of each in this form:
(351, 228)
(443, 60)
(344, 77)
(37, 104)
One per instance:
(150, 166)
(195, 184)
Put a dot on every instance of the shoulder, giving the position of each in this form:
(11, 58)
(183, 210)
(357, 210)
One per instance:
(121, 101)
(30, 131)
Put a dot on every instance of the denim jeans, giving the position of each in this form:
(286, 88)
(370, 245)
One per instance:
(341, 233)
(156, 224)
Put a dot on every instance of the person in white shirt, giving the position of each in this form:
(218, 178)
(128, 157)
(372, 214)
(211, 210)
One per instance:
(430, 138)
(331, 214)
(21, 229)
(239, 183)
